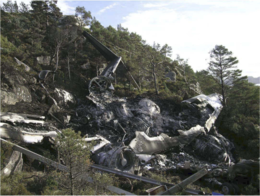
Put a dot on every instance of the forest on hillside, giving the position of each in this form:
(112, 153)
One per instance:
(40, 36)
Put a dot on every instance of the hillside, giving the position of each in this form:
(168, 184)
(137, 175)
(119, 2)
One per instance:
(144, 113)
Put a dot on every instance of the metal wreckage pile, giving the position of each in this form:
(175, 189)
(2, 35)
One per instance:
(133, 135)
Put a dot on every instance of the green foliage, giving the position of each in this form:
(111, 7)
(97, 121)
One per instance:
(70, 145)
(185, 79)
(29, 31)
(221, 67)
(43, 31)
(102, 180)
(8, 47)
(18, 190)
(51, 185)
(83, 17)
(207, 82)
(51, 190)
(250, 190)
(13, 185)
(159, 176)
(239, 120)
(10, 7)
(6, 151)
(75, 153)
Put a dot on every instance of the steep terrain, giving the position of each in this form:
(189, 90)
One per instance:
(126, 125)
(144, 112)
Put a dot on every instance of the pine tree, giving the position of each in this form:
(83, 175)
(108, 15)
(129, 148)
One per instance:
(222, 67)
(75, 152)
(155, 65)
(83, 17)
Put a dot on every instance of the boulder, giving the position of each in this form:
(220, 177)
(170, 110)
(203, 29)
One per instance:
(14, 88)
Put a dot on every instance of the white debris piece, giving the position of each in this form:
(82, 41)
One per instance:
(9, 132)
(64, 97)
(145, 157)
(193, 130)
(18, 118)
(212, 99)
(102, 143)
(148, 167)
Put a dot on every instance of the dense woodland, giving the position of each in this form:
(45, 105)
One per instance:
(40, 29)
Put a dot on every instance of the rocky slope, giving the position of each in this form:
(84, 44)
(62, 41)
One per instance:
(133, 135)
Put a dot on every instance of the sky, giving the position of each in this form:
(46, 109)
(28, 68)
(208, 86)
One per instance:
(191, 27)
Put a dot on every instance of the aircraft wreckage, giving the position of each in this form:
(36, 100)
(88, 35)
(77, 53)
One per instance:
(131, 135)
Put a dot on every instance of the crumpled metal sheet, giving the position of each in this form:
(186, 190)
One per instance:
(206, 104)
(211, 148)
(21, 118)
(158, 132)
(144, 144)
(10, 132)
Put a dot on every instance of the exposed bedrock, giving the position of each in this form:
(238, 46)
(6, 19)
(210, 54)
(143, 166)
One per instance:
(14, 89)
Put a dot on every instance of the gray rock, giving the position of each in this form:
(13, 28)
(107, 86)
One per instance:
(26, 67)
(15, 89)
(19, 93)
(44, 60)
(171, 76)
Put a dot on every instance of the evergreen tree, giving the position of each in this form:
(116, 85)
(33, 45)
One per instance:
(185, 84)
(155, 65)
(222, 67)
(75, 152)
(83, 17)
(207, 82)
(239, 120)
(10, 7)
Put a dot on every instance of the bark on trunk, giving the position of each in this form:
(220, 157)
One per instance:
(57, 60)
(222, 88)
(71, 181)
